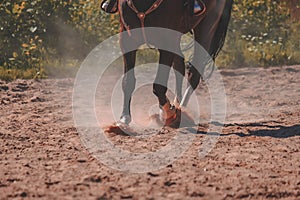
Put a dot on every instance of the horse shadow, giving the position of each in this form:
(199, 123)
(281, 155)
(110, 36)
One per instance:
(262, 130)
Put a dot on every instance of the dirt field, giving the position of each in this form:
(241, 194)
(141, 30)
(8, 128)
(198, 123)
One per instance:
(256, 157)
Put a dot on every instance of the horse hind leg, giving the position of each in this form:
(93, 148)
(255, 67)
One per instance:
(204, 35)
(167, 111)
(194, 77)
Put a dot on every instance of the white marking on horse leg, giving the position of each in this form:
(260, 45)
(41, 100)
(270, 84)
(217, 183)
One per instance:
(177, 101)
(186, 97)
(125, 119)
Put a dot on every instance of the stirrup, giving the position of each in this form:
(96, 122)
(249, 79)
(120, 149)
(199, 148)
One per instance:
(106, 7)
(199, 7)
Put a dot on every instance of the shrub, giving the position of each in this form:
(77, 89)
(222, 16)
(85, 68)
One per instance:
(262, 33)
(38, 34)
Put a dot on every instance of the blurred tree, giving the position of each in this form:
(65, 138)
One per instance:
(294, 6)
(261, 34)
(39, 31)
(35, 31)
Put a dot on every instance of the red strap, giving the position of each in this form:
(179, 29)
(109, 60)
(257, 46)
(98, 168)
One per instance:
(154, 6)
(142, 15)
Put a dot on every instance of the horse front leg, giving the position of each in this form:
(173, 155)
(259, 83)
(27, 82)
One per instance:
(167, 111)
(179, 68)
(128, 85)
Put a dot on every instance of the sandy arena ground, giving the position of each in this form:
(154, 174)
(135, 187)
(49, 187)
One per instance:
(256, 157)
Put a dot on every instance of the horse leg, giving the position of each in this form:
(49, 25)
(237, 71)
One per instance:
(179, 68)
(195, 70)
(167, 111)
(128, 85)
(194, 77)
(204, 33)
(206, 30)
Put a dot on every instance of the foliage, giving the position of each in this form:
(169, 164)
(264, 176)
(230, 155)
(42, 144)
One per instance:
(38, 34)
(262, 33)
(21, 45)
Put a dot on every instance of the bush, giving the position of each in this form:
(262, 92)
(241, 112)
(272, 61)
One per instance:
(261, 33)
(38, 34)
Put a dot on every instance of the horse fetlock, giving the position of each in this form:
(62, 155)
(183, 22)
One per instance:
(125, 119)
(167, 111)
(186, 97)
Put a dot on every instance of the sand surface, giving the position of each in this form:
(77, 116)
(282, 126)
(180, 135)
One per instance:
(256, 156)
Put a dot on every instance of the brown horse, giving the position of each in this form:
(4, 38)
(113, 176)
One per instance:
(209, 29)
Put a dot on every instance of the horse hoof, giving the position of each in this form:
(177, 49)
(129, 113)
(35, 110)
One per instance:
(167, 113)
(125, 119)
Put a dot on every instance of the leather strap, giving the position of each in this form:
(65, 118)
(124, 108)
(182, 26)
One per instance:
(141, 15)
(154, 6)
